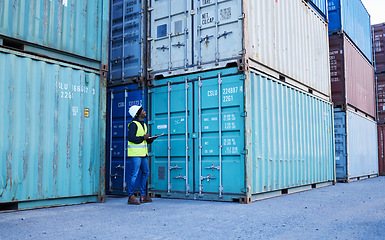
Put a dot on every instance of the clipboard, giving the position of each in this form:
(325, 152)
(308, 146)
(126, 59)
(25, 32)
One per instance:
(156, 136)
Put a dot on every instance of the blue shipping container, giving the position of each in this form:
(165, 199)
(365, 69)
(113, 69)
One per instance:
(356, 146)
(237, 136)
(127, 48)
(320, 6)
(351, 17)
(118, 119)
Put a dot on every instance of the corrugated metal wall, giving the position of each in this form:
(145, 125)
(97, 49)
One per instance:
(75, 27)
(351, 17)
(352, 76)
(289, 136)
(378, 32)
(51, 129)
(356, 138)
(381, 149)
(289, 37)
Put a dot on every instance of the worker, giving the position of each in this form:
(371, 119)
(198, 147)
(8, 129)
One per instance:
(137, 154)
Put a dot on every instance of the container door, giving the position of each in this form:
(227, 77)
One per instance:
(220, 124)
(172, 153)
(218, 31)
(125, 55)
(120, 99)
(340, 144)
(170, 28)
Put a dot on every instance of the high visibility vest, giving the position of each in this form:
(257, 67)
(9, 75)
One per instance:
(138, 150)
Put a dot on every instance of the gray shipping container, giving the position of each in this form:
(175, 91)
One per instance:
(356, 146)
(287, 40)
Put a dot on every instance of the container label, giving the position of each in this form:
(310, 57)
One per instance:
(225, 13)
(86, 112)
(161, 126)
(207, 19)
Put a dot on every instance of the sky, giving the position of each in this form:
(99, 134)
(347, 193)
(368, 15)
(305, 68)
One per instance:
(376, 9)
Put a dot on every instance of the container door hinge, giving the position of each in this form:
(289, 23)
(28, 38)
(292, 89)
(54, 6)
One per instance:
(151, 154)
(151, 122)
(194, 135)
(242, 77)
(246, 189)
(242, 16)
(244, 152)
(151, 186)
(151, 91)
(150, 9)
(243, 114)
(149, 39)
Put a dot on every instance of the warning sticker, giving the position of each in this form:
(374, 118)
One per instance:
(86, 112)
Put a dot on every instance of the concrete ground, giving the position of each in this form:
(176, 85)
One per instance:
(344, 211)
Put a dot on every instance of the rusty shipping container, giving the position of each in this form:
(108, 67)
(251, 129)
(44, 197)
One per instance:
(68, 30)
(381, 149)
(287, 40)
(378, 32)
(352, 76)
(52, 132)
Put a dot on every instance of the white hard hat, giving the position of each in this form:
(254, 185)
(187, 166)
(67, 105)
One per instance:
(134, 110)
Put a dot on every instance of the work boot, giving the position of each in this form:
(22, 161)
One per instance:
(145, 199)
(132, 200)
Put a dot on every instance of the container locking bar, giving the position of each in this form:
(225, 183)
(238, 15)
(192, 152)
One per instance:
(213, 167)
(207, 178)
(200, 135)
(220, 133)
(125, 139)
(186, 134)
(216, 33)
(168, 138)
(111, 149)
(175, 167)
(169, 36)
(180, 177)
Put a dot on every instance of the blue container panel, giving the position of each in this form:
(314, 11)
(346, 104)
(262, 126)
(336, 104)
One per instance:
(320, 6)
(115, 141)
(340, 144)
(125, 39)
(352, 17)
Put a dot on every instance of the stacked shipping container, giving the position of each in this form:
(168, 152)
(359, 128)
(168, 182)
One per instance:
(353, 89)
(53, 58)
(244, 87)
(378, 36)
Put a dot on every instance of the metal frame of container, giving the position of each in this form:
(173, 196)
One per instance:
(66, 30)
(287, 40)
(378, 36)
(352, 77)
(381, 149)
(119, 100)
(356, 146)
(237, 136)
(351, 17)
(129, 41)
(53, 149)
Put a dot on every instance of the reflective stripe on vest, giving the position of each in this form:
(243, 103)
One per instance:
(138, 150)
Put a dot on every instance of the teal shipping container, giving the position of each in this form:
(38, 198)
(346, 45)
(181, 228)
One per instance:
(52, 132)
(237, 136)
(71, 30)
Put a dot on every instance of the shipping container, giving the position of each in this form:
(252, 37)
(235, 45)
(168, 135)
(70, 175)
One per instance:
(351, 17)
(352, 76)
(381, 149)
(237, 136)
(52, 132)
(319, 6)
(119, 100)
(356, 143)
(128, 46)
(75, 31)
(380, 80)
(288, 40)
(378, 32)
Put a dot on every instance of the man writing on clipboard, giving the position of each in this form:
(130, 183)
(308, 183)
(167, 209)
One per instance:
(137, 152)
